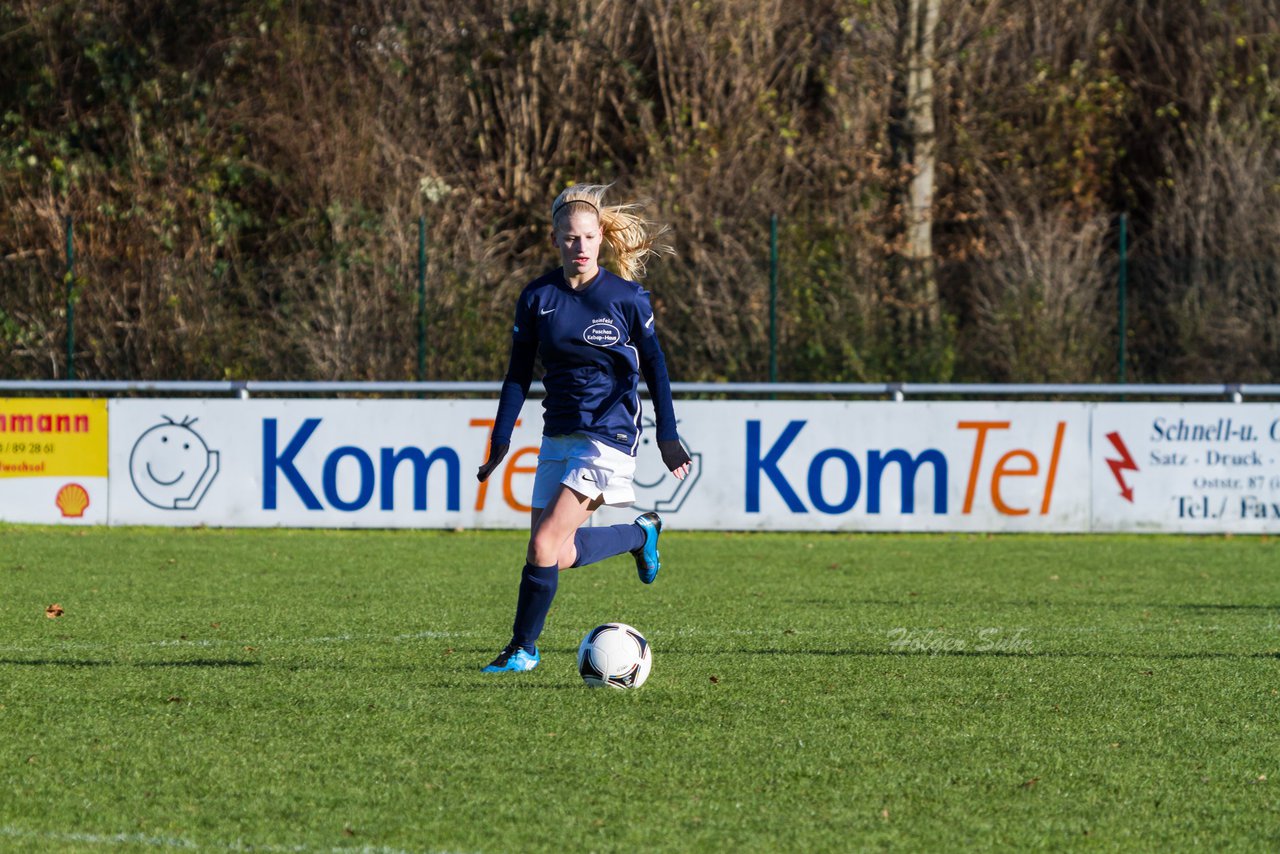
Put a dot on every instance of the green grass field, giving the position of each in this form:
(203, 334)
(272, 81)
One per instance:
(319, 690)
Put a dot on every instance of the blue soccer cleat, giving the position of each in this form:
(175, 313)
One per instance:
(513, 659)
(647, 563)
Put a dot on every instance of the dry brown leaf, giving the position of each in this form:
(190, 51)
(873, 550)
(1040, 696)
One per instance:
(54, 611)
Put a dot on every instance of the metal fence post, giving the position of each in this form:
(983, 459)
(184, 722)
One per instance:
(69, 281)
(422, 298)
(773, 298)
(1123, 301)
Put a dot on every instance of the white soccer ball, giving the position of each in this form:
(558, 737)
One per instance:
(615, 655)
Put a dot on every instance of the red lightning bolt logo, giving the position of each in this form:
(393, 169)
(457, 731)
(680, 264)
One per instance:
(1118, 467)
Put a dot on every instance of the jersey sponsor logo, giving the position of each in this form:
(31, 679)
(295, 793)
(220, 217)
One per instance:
(601, 332)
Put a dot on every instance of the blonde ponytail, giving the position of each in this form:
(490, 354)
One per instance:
(630, 238)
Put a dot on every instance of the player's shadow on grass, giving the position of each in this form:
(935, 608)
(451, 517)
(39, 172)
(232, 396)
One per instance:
(1226, 607)
(926, 602)
(88, 662)
(926, 652)
(198, 662)
(1000, 653)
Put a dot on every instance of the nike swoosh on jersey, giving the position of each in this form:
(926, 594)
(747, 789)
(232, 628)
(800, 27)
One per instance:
(545, 310)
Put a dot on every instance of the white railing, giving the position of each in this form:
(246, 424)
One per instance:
(897, 391)
(246, 389)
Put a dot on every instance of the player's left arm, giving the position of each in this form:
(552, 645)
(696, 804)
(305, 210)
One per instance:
(653, 365)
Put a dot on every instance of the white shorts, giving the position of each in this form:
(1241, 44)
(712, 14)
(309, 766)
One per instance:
(587, 466)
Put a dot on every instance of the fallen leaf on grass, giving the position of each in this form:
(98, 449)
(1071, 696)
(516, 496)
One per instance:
(1031, 782)
(715, 680)
(54, 611)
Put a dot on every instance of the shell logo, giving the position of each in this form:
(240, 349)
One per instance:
(72, 500)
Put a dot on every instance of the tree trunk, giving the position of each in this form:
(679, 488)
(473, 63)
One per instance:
(922, 24)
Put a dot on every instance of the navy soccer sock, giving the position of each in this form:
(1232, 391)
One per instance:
(537, 589)
(596, 544)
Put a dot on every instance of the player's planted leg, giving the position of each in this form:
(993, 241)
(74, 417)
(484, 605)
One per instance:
(513, 659)
(537, 590)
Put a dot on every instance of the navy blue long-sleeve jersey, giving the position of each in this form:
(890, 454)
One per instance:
(594, 344)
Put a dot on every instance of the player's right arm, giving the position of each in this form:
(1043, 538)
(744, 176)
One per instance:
(515, 387)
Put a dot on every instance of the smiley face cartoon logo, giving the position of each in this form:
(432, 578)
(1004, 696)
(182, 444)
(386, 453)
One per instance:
(171, 466)
(656, 487)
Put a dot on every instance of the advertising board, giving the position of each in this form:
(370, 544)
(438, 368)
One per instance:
(758, 465)
(1193, 468)
(53, 460)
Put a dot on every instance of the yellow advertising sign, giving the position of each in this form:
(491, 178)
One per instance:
(52, 437)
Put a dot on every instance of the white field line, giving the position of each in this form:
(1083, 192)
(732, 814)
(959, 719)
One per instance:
(226, 642)
(36, 837)
(91, 646)
(854, 633)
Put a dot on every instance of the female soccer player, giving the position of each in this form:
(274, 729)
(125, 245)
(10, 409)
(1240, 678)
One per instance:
(594, 332)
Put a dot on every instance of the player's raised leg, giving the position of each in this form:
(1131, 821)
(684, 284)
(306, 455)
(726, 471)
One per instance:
(646, 553)
(591, 545)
